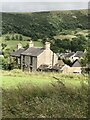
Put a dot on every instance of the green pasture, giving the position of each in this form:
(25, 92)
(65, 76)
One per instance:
(13, 43)
(10, 79)
(41, 95)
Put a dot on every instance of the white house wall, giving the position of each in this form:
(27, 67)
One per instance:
(46, 57)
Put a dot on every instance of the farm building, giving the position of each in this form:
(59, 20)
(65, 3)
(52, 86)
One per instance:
(66, 69)
(72, 56)
(57, 67)
(32, 58)
(17, 55)
(76, 67)
(78, 55)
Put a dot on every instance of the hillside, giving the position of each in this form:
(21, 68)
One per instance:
(64, 29)
(43, 25)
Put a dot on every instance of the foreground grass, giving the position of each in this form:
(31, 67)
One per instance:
(44, 95)
(16, 77)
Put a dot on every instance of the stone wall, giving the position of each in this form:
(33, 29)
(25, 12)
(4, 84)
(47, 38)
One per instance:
(47, 57)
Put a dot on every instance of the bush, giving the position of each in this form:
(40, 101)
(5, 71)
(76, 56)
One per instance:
(7, 37)
(20, 37)
(3, 45)
(12, 38)
(16, 37)
(6, 65)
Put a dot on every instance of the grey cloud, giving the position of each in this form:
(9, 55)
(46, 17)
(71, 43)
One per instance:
(41, 6)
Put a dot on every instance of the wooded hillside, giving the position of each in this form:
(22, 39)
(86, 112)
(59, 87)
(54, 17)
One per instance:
(43, 25)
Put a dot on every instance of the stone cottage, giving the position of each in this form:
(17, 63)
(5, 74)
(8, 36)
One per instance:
(32, 58)
(76, 67)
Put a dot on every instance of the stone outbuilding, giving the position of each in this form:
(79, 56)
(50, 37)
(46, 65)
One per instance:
(76, 67)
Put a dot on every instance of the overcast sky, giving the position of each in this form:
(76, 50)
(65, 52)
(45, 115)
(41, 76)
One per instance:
(24, 6)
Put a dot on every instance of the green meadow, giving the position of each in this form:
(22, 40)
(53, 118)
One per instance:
(44, 95)
(12, 44)
(17, 77)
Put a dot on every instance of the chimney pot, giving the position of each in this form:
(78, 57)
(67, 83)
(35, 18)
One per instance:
(47, 45)
(31, 44)
(19, 46)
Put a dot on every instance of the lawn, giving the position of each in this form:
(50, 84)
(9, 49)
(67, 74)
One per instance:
(44, 95)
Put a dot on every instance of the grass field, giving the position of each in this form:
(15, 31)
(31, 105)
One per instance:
(12, 79)
(41, 95)
(72, 34)
(13, 43)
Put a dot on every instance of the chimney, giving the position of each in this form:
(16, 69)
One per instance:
(31, 44)
(47, 45)
(19, 46)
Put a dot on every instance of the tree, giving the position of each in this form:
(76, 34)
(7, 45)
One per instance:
(20, 37)
(6, 65)
(83, 61)
(88, 52)
(78, 44)
(7, 51)
(7, 37)
(3, 45)
(12, 38)
(26, 46)
(16, 37)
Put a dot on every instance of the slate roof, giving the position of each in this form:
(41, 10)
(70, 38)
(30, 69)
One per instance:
(63, 54)
(76, 64)
(79, 54)
(17, 52)
(69, 54)
(32, 51)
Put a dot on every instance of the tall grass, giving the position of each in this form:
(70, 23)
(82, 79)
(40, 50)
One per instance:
(55, 101)
(40, 103)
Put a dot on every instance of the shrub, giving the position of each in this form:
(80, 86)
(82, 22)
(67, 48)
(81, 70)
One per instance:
(6, 65)
(20, 37)
(16, 37)
(7, 37)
